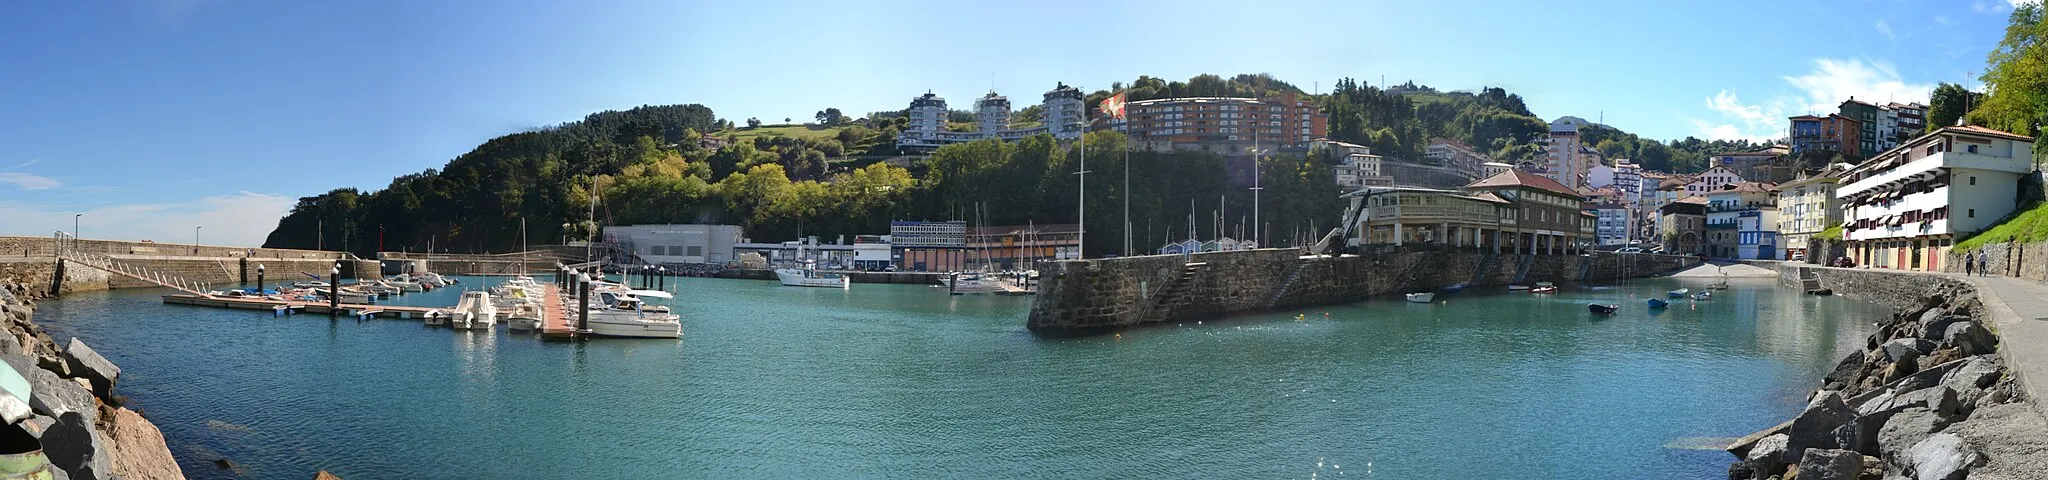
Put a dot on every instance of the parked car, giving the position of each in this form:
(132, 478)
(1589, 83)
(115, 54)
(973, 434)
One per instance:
(1630, 250)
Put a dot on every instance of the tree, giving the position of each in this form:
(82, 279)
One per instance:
(830, 117)
(785, 120)
(753, 122)
(1949, 103)
(2017, 74)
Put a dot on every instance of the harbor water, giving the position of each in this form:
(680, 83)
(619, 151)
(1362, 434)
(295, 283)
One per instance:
(907, 382)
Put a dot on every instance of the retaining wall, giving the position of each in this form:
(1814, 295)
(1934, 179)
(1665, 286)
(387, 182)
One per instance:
(1890, 288)
(45, 246)
(1083, 295)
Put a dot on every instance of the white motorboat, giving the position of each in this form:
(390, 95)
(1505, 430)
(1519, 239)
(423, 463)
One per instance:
(524, 317)
(809, 276)
(972, 283)
(1421, 297)
(436, 318)
(623, 315)
(404, 282)
(474, 311)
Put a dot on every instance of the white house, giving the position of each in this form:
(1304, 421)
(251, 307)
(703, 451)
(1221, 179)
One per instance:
(1905, 207)
(1613, 225)
(1711, 181)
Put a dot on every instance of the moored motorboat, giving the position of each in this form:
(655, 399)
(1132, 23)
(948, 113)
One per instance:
(809, 276)
(1679, 293)
(1455, 287)
(1656, 303)
(1722, 285)
(436, 318)
(1599, 309)
(474, 312)
(1544, 289)
(1421, 297)
(1703, 295)
(524, 316)
(622, 315)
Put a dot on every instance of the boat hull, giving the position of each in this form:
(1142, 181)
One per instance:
(630, 327)
(796, 278)
(1598, 309)
(1656, 303)
(1421, 297)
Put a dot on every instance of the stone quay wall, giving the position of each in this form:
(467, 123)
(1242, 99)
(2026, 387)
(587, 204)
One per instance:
(2023, 260)
(1101, 294)
(222, 272)
(1889, 288)
(45, 246)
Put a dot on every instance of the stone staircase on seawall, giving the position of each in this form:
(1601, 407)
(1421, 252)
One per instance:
(1173, 296)
(1293, 277)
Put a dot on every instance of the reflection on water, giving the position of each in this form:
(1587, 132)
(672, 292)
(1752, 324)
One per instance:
(907, 381)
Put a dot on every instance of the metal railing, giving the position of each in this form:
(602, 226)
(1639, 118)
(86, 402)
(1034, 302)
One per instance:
(67, 249)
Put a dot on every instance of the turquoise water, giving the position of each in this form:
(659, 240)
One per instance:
(905, 381)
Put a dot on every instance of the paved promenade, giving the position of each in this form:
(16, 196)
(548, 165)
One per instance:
(2019, 314)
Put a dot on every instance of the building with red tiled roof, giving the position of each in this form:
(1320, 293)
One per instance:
(1546, 217)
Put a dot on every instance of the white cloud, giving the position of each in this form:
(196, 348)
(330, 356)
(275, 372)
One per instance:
(1833, 81)
(1886, 30)
(242, 219)
(1987, 6)
(31, 161)
(29, 181)
(1944, 20)
(1819, 91)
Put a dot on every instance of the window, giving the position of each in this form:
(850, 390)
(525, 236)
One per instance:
(695, 250)
(1973, 178)
(656, 250)
(1973, 213)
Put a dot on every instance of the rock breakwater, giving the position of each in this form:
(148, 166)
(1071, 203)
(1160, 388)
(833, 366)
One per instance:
(72, 411)
(1927, 396)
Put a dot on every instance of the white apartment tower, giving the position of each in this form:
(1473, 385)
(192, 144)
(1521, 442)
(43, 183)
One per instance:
(927, 118)
(1065, 114)
(1566, 164)
(992, 112)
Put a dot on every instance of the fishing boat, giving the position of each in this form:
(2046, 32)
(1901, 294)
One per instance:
(809, 276)
(1599, 309)
(1656, 303)
(474, 311)
(524, 317)
(1544, 289)
(1421, 297)
(1703, 295)
(1679, 293)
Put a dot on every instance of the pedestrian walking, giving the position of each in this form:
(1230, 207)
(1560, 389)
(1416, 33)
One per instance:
(1983, 264)
(1969, 264)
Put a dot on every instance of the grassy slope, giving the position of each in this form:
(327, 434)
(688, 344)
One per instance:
(795, 131)
(2028, 226)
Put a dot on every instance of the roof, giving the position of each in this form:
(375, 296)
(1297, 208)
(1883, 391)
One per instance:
(1040, 229)
(1695, 199)
(1518, 178)
(1860, 102)
(1673, 182)
(1976, 130)
(1489, 197)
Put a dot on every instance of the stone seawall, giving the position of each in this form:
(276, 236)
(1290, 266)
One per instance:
(46, 246)
(1094, 295)
(38, 272)
(1891, 289)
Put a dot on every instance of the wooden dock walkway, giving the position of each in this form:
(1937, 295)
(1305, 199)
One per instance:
(556, 318)
(303, 307)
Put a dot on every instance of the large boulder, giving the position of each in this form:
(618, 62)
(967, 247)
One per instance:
(53, 395)
(1767, 457)
(1820, 426)
(10, 344)
(1971, 338)
(1899, 349)
(88, 364)
(139, 450)
(1830, 464)
(73, 445)
(1978, 373)
(2009, 436)
(1942, 456)
(1848, 372)
(1872, 416)
(1905, 429)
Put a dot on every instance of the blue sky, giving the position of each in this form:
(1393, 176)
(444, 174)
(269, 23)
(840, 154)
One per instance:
(152, 117)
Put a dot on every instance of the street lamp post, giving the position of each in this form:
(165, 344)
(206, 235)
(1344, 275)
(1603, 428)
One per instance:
(195, 239)
(74, 224)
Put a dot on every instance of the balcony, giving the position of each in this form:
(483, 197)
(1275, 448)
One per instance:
(1732, 207)
(1721, 225)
